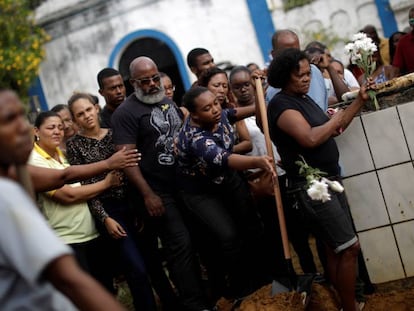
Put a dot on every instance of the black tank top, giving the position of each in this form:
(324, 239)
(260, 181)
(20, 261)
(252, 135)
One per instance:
(325, 156)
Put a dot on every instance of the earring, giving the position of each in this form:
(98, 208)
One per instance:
(37, 138)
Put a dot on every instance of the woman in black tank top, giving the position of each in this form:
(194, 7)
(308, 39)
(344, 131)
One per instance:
(299, 128)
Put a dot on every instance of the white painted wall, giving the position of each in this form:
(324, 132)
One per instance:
(81, 45)
(85, 32)
(342, 18)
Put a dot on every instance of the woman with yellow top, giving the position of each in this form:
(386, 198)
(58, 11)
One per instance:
(65, 208)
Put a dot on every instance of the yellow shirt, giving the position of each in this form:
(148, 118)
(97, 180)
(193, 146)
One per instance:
(384, 50)
(73, 223)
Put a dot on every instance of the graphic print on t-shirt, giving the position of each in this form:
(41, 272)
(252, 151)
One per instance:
(167, 122)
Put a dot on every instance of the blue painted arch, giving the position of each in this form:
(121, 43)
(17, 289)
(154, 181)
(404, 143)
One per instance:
(386, 15)
(150, 33)
(263, 25)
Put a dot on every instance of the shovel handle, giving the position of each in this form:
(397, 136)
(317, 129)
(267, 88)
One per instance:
(276, 188)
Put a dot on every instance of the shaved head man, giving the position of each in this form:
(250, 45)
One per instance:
(149, 121)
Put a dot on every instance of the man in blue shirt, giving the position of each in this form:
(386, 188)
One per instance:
(286, 38)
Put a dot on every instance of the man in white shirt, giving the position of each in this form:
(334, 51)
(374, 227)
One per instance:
(38, 271)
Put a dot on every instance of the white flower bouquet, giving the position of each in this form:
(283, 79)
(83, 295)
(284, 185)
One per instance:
(360, 51)
(317, 186)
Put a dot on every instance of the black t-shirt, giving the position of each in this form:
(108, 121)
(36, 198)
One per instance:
(153, 129)
(105, 117)
(325, 156)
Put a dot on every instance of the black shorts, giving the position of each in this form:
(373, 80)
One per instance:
(331, 221)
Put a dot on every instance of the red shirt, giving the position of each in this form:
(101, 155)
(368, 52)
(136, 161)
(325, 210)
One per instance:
(404, 54)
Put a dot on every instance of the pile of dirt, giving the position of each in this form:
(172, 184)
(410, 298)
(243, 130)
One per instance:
(322, 298)
(401, 300)
(262, 300)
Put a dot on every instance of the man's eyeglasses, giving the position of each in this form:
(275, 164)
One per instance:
(67, 120)
(147, 81)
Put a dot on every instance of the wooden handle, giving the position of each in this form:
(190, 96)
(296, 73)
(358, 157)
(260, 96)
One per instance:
(276, 187)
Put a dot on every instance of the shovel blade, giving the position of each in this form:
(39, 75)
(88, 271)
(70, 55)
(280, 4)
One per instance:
(298, 283)
(278, 288)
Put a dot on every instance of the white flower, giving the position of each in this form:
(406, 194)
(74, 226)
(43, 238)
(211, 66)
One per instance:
(359, 36)
(349, 48)
(361, 45)
(334, 185)
(319, 191)
(367, 45)
(356, 58)
(361, 51)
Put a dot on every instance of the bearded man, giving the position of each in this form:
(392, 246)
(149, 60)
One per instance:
(150, 121)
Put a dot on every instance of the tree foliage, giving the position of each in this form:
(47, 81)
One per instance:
(21, 45)
(325, 35)
(292, 4)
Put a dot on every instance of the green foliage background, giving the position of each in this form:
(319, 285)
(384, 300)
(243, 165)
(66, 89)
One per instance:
(21, 45)
(291, 4)
(325, 35)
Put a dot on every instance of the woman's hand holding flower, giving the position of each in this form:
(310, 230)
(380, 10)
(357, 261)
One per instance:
(366, 88)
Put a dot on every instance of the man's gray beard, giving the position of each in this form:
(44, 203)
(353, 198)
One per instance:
(150, 99)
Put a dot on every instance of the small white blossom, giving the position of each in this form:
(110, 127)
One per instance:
(349, 48)
(355, 59)
(359, 36)
(319, 191)
(334, 185)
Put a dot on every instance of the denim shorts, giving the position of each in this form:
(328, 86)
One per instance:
(330, 221)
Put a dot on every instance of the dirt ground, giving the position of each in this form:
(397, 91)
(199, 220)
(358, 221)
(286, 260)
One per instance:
(323, 298)
(391, 296)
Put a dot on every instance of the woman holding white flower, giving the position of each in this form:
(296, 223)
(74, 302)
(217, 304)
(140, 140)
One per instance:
(381, 73)
(303, 132)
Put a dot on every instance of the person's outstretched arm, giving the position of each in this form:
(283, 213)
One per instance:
(71, 195)
(45, 179)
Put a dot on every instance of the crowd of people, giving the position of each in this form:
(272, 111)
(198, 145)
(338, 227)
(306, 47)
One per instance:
(113, 184)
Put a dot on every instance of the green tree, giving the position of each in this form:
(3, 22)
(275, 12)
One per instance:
(325, 35)
(292, 4)
(21, 45)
